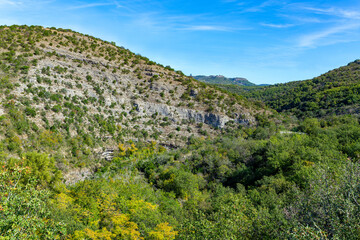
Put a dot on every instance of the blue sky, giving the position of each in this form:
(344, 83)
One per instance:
(265, 41)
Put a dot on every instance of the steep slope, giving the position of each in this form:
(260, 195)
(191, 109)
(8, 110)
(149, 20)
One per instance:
(219, 79)
(74, 93)
(335, 92)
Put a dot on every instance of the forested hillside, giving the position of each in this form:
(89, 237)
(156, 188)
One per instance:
(99, 143)
(335, 92)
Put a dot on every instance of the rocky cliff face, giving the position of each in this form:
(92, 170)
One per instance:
(177, 114)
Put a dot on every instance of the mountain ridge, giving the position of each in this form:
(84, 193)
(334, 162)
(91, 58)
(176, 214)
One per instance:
(220, 79)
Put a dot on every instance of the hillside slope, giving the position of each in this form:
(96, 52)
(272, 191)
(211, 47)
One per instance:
(60, 70)
(335, 92)
(86, 95)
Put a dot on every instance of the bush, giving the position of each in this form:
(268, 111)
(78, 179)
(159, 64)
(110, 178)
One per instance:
(30, 111)
(24, 210)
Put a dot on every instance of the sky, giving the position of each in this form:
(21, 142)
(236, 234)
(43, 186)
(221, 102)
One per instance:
(265, 41)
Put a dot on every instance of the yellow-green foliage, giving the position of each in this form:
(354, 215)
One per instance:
(132, 154)
(163, 232)
(50, 139)
(111, 209)
(24, 213)
(42, 167)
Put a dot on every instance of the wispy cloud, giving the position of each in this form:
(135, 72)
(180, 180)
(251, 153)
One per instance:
(207, 28)
(338, 12)
(277, 25)
(323, 37)
(263, 5)
(23, 4)
(318, 25)
(91, 5)
(302, 19)
(9, 2)
(238, 3)
(162, 21)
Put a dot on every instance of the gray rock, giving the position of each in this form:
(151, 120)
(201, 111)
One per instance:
(215, 120)
(108, 154)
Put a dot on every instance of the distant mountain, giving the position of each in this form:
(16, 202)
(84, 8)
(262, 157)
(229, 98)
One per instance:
(219, 79)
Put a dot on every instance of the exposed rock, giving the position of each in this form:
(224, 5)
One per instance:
(193, 92)
(177, 113)
(77, 175)
(108, 154)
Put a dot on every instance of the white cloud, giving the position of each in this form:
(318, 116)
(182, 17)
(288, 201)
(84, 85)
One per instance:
(349, 14)
(277, 25)
(235, 2)
(207, 28)
(265, 4)
(91, 5)
(213, 28)
(302, 19)
(342, 13)
(9, 2)
(322, 38)
(5, 2)
(24, 4)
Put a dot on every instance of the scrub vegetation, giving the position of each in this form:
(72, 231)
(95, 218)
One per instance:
(99, 143)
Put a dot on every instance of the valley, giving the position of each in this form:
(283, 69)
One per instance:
(97, 142)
